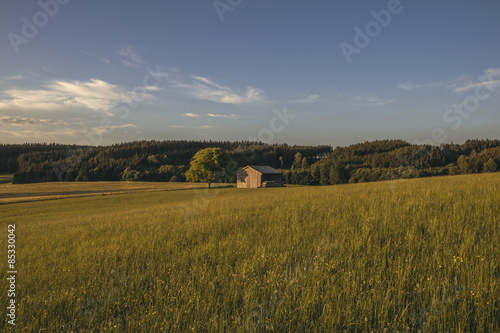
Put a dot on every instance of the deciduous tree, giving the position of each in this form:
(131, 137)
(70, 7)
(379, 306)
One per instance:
(208, 166)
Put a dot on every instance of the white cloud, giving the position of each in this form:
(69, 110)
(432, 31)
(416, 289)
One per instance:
(96, 95)
(228, 116)
(182, 126)
(487, 84)
(11, 78)
(189, 114)
(15, 77)
(129, 64)
(489, 78)
(205, 89)
(312, 98)
(24, 121)
(60, 133)
(410, 86)
(152, 88)
(19, 126)
(105, 129)
(43, 135)
(102, 59)
(370, 101)
(132, 59)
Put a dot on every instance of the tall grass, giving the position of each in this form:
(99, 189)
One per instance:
(415, 255)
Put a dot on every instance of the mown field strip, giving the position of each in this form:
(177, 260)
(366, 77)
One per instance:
(52, 191)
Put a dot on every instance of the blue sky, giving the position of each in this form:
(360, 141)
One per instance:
(300, 72)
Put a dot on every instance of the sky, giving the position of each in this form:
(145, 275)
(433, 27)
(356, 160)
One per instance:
(312, 72)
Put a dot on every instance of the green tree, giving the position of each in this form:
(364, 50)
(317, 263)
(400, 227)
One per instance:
(338, 174)
(463, 164)
(490, 166)
(315, 174)
(208, 165)
(297, 162)
(304, 164)
(324, 174)
(130, 174)
(453, 169)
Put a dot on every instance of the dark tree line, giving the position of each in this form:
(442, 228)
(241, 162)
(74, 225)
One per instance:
(138, 160)
(395, 159)
(306, 165)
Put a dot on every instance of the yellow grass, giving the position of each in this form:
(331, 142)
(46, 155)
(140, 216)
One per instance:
(407, 256)
(10, 193)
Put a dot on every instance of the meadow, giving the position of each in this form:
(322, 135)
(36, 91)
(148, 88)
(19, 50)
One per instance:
(50, 191)
(406, 255)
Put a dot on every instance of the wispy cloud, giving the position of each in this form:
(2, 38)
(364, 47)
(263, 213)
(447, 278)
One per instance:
(489, 78)
(410, 86)
(192, 115)
(312, 98)
(228, 116)
(11, 78)
(370, 101)
(15, 77)
(106, 129)
(488, 84)
(101, 59)
(200, 127)
(44, 135)
(206, 89)
(131, 58)
(96, 95)
(48, 129)
(24, 121)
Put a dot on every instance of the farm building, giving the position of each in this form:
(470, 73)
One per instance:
(254, 176)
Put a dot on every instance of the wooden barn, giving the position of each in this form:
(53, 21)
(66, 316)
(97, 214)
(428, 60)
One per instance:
(254, 176)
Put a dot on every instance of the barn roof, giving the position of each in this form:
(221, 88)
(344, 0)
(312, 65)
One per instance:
(263, 169)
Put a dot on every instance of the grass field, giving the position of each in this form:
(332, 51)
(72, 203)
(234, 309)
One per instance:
(407, 256)
(50, 191)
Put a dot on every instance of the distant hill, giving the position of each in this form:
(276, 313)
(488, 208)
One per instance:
(396, 159)
(307, 165)
(138, 160)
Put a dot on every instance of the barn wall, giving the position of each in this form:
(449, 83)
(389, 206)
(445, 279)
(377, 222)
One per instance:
(242, 179)
(254, 178)
(250, 178)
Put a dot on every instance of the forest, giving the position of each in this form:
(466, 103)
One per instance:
(304, 165)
